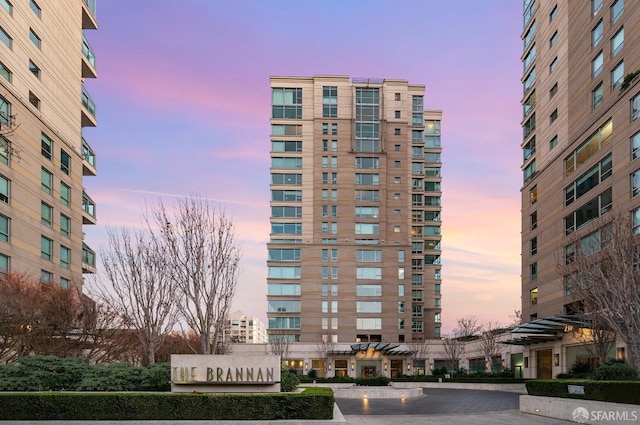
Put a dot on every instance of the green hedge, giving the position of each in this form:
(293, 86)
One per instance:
(376, 381)
(316, 403)
(461, 379)
(611, 391)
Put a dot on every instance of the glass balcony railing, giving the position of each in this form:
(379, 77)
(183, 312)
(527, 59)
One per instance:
(88, 205)
(87, 51)
(91, 5)
(88, 154)
(88, 255)
(87, 102)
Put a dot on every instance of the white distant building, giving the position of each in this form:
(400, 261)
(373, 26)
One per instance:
(242, 328)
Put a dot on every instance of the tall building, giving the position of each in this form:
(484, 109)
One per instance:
(581, 140)
(240, 328)
(354, 251)
(44, 107)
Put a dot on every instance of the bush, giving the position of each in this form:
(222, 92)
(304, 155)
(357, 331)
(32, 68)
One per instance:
(316, 403)
(614, 371)
(313, 374)
(288, 381)
(611, 391)
(376, 381)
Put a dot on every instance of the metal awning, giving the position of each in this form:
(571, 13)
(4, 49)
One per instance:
(386, 348)
(546, 329)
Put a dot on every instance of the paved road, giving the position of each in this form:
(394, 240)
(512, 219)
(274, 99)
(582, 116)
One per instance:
(442, 406)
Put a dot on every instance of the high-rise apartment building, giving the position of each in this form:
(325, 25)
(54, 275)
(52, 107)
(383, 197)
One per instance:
(581, 140)
(44, 106)
(241, 328)
(354, 250)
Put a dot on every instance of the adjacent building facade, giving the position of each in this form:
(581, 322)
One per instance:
(44, 155)
(354, 250)
(581, 141)
(240, 328)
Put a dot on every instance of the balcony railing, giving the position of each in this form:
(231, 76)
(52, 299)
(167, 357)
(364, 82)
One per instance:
(88, 110)
(89, 209)
(88, 159)
(89, 15)
(88, 259)
(87, 51)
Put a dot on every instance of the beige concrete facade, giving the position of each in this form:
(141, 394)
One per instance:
(354, 250)
(241, 328)
(580, 141)
(44, 60)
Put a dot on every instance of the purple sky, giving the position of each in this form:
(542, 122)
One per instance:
(183, 107)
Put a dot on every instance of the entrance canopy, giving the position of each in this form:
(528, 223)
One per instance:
(385, 348)
(544, 330)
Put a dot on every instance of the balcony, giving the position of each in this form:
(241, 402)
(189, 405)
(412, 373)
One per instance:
(88, 209)
(88, 259)
(89, 15)
(88, 160)
(88, 60)
(88, 110)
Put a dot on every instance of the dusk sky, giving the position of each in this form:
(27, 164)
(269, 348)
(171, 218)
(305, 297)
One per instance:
(183, 106)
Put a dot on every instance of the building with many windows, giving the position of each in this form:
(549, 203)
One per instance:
(354, 254)
(44, 156)
(240, 328)
(581, 141)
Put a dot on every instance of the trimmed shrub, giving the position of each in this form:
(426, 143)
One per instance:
(614, 371)
(316, 403)
(313, 374)
(376, 381)
(288, 381)
(611, 391)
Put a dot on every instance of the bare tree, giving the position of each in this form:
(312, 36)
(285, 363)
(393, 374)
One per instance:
(325, 349)
(138, 286)
(280, 344)
(602, 272)
(516, 319)
(489, 343)
(420, 351)
(199, 242)
(453, 351)
(598, 339)
(468, 327)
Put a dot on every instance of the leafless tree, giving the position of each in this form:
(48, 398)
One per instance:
(280, 344)
(468, 327)
(516, 319)
(489, 343)
(199, 244)
(453, 348)
(420, 351)
(325, 349)
(598, 338)
(602, 272)
(138, 286)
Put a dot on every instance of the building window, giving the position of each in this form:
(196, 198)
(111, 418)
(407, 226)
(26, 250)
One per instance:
(533, 296)
(65, 193)
(396, 131)
(530, 171)
(4, 265)
(596, 33)
(636, 221)
(597, 64)
(286, 103)
(617, 75)
(596, 6)
(64, 283)
(553, 39)
(553, 65)
(617, 9)
(529, 58)
(6, 5)
(533, 220)
(34, 69)
(5, 72)
(329, 101)
(46, 214)
(533, 246)
(635, 146)
(533, 269)
(34, 100)
(65, 226)
(553, 142)
(553, 116)
(46, 179)
(635, 183)
(5, 186)
(617, 43)
(34, 6)
(334, 128)
(325, 128)
(46, 277)
(46, 146)
(5, 150)
(597, 95)
(553, 90)
(34, 38)
(65, 257)
(5, 227)
(46, 248)
(8, 41)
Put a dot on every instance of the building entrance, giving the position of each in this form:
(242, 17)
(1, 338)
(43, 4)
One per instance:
(544, 364)
(368, 371)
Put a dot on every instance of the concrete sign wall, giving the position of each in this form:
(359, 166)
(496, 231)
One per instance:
(225, 373)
